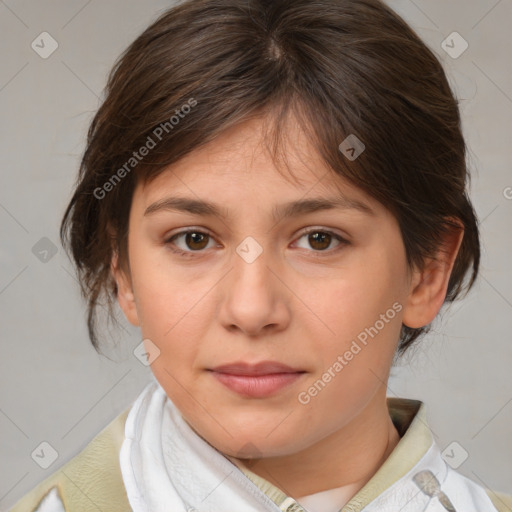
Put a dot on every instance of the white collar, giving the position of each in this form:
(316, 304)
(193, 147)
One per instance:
(166, 466)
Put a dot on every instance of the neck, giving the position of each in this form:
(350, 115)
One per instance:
(348, 457)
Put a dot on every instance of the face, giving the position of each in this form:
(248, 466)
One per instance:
(275, 327)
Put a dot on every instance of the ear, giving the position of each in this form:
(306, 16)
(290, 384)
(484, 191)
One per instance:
(429, 285)
(125, 294)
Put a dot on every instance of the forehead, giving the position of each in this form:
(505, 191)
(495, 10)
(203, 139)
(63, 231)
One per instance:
(244, 149)
(241, 154)
(238, 166)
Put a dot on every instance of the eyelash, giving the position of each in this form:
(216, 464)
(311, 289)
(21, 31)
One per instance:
(318, 253)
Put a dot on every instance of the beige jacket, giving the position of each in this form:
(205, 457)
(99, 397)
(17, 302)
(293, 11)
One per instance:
(92, 481)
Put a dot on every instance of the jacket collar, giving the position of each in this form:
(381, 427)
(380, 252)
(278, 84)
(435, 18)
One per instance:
(409, 418)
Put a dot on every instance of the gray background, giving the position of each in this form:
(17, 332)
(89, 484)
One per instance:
(55, 388)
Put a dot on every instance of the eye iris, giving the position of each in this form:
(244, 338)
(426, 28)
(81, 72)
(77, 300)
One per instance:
(317, 237)
(196, 238)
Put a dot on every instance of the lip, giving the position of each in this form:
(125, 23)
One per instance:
(261, 368)
(256, 380)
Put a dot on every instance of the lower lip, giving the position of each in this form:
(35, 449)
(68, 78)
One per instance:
(257, 386)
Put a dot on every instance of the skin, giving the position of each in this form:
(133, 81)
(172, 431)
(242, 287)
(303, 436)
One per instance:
(296, 304)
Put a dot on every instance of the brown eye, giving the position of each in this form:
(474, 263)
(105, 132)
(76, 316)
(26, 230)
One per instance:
(321, 240)
(196, 241)
(188, 242)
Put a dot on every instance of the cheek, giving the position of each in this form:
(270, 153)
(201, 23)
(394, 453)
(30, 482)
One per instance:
(173, 310)
(354, 301)
(360, 313)
(166, 294)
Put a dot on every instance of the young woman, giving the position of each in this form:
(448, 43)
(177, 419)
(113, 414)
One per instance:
(275, 193)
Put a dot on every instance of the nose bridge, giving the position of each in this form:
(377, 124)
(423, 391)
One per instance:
(253, 298)
(252, 275)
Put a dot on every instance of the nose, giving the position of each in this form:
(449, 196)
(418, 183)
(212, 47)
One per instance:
(254, 299)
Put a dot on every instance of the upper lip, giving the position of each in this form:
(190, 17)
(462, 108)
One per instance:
(262, 368)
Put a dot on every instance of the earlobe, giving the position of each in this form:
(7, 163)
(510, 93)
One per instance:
(429, 284)
(125, 294)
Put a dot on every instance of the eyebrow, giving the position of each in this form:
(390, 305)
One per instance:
(285, 210)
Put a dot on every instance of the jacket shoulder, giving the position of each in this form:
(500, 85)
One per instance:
(90, 481)
(502, 502)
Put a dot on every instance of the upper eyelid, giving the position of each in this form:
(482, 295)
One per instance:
(302, 232)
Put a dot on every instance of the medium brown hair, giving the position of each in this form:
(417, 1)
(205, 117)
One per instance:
(340, 66)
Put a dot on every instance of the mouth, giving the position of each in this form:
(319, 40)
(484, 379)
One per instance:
(256, 380)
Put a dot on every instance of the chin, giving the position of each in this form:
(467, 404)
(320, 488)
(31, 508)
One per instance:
(255, 445)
